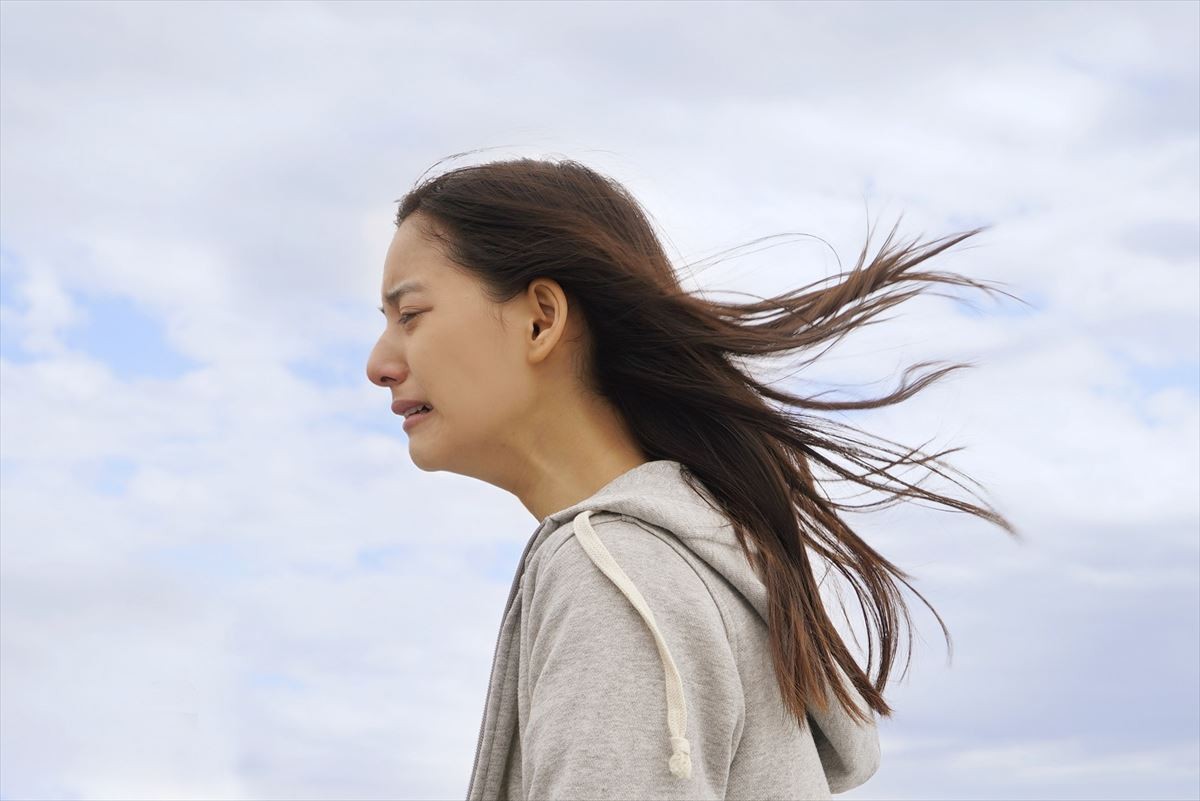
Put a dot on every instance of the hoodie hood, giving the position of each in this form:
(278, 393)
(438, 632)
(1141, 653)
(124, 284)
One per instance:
(657, 494)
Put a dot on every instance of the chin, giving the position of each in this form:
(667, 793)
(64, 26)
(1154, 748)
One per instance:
(418, 459)
(424, 457)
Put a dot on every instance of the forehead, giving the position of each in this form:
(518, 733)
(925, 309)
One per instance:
(411, 265)
(409, 252)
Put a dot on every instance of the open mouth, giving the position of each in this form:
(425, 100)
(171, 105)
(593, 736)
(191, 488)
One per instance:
(416, 417)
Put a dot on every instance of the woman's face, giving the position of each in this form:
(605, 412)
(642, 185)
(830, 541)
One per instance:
(444, 345)
(508, 405)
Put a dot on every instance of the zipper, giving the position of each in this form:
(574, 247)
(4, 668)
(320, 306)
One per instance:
(512, 592)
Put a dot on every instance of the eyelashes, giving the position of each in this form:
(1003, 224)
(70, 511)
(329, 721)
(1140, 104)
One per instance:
(404, 318)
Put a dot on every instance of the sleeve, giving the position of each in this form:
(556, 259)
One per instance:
(598, 721)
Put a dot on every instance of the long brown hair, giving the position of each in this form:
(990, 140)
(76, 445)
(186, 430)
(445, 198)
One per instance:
(664, 359)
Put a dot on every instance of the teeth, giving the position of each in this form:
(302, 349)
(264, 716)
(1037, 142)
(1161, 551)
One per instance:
(422, 408)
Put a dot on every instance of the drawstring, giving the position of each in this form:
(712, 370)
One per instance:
(680, 763)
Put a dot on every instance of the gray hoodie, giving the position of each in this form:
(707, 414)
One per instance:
(633, 663)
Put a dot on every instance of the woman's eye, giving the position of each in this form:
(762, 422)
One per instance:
(404, 318)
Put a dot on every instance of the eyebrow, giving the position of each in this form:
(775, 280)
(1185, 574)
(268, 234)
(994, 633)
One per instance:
(393, 295)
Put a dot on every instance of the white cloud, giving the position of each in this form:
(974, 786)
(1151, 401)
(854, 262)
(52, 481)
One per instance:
(233, 584)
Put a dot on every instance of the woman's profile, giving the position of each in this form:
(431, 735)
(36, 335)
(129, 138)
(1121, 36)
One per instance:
(664, 636)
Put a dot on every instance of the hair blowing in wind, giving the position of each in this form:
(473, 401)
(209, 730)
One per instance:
(668, 361)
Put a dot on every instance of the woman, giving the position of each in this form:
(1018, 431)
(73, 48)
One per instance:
(664, 636)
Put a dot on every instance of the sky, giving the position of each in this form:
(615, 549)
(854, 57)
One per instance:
(221, 577)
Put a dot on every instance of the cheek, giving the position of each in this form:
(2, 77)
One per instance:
(485, 388)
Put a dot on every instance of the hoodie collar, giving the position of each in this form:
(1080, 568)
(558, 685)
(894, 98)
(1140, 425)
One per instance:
(656, 492)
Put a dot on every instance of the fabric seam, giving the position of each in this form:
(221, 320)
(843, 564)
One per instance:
(725, 617)
(730, 633)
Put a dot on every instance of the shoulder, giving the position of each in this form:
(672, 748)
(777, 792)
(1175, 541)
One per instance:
(653, 560)
(636, 547)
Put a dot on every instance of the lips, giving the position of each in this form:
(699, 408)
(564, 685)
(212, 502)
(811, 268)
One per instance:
(402, 405)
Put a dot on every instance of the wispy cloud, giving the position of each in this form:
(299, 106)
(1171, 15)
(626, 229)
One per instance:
(221, 575)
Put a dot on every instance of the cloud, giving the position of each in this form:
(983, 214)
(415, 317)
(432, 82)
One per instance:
(222, 577)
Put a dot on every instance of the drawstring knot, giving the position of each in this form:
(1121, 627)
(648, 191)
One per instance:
(681, 761)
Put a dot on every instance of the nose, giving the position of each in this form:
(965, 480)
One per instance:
(383, 370)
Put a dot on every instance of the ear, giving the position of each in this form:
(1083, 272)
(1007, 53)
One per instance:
(547, 322)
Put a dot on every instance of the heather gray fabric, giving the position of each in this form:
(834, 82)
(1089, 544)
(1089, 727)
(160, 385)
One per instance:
(633, 663)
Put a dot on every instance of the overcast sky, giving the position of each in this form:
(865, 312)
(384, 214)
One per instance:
(223, 578)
